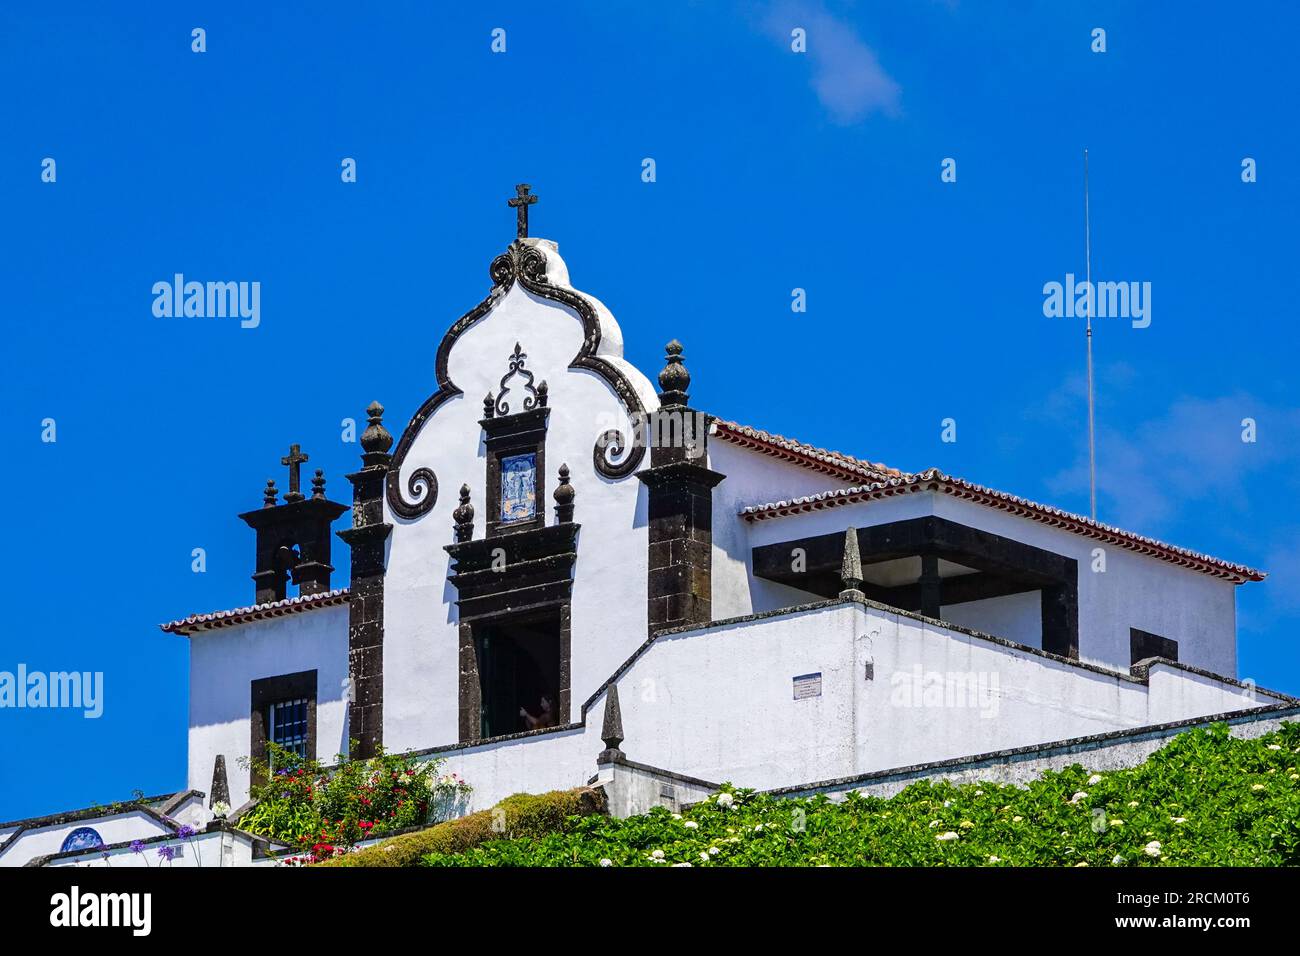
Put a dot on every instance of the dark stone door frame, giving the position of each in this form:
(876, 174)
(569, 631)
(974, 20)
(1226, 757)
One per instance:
(511, 576)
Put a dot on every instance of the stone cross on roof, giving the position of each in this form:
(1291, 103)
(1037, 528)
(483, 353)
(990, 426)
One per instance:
(521, 202)
(294, 459)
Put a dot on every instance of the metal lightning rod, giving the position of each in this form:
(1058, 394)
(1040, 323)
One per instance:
(1092, 439)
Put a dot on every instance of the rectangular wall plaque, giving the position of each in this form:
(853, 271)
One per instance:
(807, 685)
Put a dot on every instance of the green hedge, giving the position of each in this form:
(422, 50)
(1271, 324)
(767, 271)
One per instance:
(1206, 799)
(522, 816)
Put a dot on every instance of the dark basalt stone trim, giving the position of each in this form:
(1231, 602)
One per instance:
(1141, 670)
(168, 808)
(537, 543)
(1043, 750)
(304, 523)
(667, 774)
(88, 813)
(1143, 644)
(266, 691)
(368, 538)
(469, 691)
(889, 609)
(931, 538)
(524, 600)
(679, 509)
(525, 263)
(161, 838)
(521, 434)
(486, 741)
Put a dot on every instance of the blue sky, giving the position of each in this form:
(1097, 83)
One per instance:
(775, 170)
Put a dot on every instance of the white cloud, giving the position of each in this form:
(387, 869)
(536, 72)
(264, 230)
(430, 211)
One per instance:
(1190, 455)
(846, 74)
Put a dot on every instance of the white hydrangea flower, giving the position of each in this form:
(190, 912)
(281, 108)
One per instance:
(1117, 860)
(1179, 819)
(979, 793)
(933, 824)
(606, 861)
(1132, 803)
(995, 859)
(758, 828)
(944, 837)
(947, 803)
(682, 864)
(704, 857)
(1094, 779)
(1258, 786)
(725, 800)
(714, 851)
(1082, 863)
(690, 825)
(1274, 747)
(677, 816)
(657, 855)
(1078, 796)
(1152, 849)
(1016, 819)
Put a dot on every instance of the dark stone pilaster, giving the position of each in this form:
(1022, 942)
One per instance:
(368, 539)
(680, 506)
(470, 694)
(1060, 605)
(931, 586)
(681, 544)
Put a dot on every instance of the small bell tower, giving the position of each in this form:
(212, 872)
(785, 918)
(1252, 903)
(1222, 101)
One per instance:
(293, 538)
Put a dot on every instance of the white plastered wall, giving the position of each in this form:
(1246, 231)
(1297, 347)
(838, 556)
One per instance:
(1135, 590)
(225, 662)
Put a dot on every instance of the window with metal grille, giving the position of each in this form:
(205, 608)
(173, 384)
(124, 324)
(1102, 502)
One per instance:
(288, 725)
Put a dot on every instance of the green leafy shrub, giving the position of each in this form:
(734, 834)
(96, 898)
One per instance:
(1206, 799)
(324, 811)
(521, 816)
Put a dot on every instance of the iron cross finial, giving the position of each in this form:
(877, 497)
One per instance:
(521, 202)
(293, 460)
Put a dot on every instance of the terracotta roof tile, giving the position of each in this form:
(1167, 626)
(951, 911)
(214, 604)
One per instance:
(936, 480)
(819, 459)
(256, 612)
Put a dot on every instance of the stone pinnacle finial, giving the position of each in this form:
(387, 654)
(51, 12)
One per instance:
(851, 566)
(269, 494)
(563, 495)
(219, 792)
(489, 405)
(674, 380)
(318, 484)
(376, 439)
(611, 730)
(464, 516)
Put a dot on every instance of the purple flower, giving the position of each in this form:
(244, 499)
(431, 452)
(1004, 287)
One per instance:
(185, 832)
(137, 846)
(167, 852)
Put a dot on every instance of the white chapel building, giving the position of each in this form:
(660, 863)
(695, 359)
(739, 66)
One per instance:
(562, 572)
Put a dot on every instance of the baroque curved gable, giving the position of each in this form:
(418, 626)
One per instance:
(524, 262)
